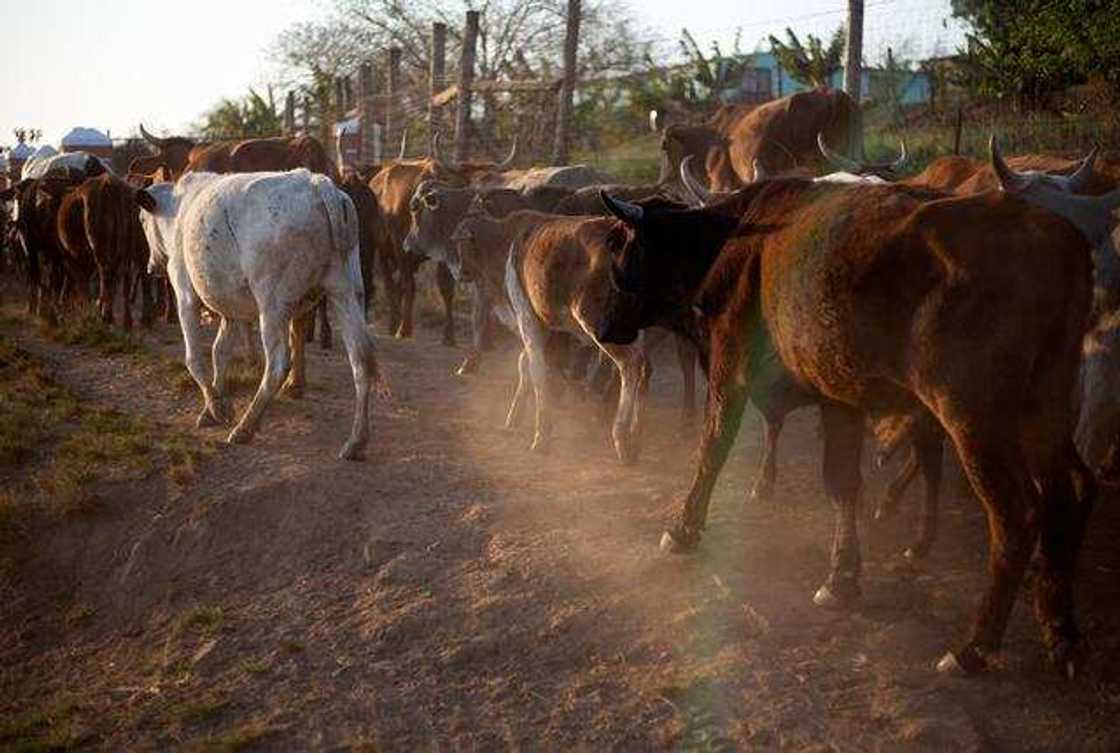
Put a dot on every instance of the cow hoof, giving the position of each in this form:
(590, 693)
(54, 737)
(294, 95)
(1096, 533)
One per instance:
(679, 542)
(205, 419)
(761, 493)
(353, 451)
(627, 453)
(540, 446)
(467, 367)
(1066, 657)
(829, 597)
(240, 436)
(965, 663)
(916, 551)
(293, 391)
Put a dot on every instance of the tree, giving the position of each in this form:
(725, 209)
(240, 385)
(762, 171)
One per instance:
(1027, 50)
(814, 64)
(251, 117)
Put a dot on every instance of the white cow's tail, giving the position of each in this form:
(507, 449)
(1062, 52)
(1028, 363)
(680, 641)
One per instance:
(342, 225)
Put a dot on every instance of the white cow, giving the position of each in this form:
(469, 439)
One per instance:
(261, 246)
(42, 166)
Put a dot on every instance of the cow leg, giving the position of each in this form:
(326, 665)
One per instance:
(188, 309)
(686, 357)
(128, 290)
(392, 279)
(727, 398)
(927, 455)
(277, 361)
(996, 469)
(480, 317)
(147, 302)
(170, 312)
(535, 340)
(633, 372)
(1069, 491)
(888, 505)
(843, 444)
(408, 296)
(222, 353)
(513, 416)
(297, 377)
(446, 284)
(107, 278)
(250, 345)
(363, 360)
(763, 487)
(325, 335)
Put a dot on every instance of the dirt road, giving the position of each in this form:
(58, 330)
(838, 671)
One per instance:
(454, 592)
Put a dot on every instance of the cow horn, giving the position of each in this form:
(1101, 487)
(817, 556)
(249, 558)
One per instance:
(1010, 180)
(903, 157)
(1084, 172)
(508, 161)
(702, 195)
(153, 140)
(839, 160)
(623, 210)
(759, 171)
(404, 144)
(656, 120)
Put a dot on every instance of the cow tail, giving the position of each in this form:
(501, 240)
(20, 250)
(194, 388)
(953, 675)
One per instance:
(515, 287)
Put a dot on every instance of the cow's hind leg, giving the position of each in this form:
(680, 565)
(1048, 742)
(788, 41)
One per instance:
(299, 332)
(446, 284)
(843, 444)
(407, 295)
(480, 317)
(686, 357)
(277, 361)
(363, 361)
(188, 307)
(928, 444)
(325, 335)
(633, 371)
(888, 504)
(763, 487)
(513, 416)
(222, 353)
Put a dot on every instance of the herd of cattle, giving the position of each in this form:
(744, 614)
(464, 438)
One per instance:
(975, 301)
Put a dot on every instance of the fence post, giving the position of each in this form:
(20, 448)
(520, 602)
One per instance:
(306, 115)
(290, 114)
(437, 78)
(853, 74)
(466, 77)
(393, 121)
(567, 86)
(368, 152)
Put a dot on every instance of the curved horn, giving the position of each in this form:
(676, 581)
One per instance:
(903, 157)
(701, 194)
(153, 140)
(839, 160)
(1010, 180)
(508, 161)
(656, 120)
(404, 144)
(759, 171)
(623, 210)
(1080, 177)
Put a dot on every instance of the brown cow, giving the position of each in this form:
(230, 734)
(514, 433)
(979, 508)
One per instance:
(887, 302)
(554, 279)
(780, 135)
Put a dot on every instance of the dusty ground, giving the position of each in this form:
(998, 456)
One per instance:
(455, 593)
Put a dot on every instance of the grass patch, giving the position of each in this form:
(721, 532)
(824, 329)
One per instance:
(235, 740)
(84, 327)
(42, 731)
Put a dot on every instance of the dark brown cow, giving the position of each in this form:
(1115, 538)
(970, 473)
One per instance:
(888, 302)
(99, 227)
(780, 135)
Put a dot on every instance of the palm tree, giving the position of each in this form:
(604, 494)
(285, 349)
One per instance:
(811, 64)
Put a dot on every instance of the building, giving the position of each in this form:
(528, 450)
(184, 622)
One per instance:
(88, 140)
(764, 79)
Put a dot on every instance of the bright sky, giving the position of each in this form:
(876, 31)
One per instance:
(110, 64)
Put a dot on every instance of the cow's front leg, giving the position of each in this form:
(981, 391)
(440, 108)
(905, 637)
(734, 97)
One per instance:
(446, 284)
(686, 357)
(843, 444)
(480, 315)
(727, 399)
(277, 361)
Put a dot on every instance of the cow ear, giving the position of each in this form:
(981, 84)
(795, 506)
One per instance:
(146, 201)
(629, 213)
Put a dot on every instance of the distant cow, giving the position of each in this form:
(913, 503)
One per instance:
(261, 247)
(780, 135)
(69, 165)
(887, 302)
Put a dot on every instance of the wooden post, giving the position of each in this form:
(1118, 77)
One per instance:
(466, 77)
(394, 122)
(368, 151)
(306, 114)
(290, 114)
(853, 75)
(437, 78)
(567, 87)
